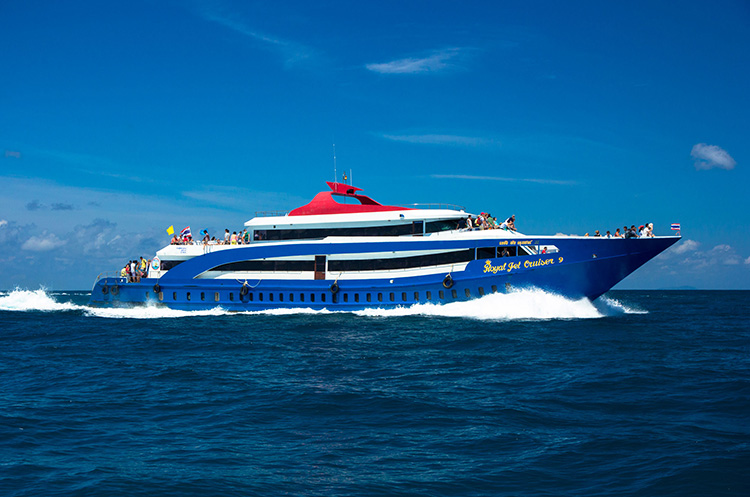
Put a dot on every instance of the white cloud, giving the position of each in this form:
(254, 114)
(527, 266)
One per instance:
(42, 243)
(498, 178)
(3, 222)
(469, 141)
(711, 156)
(686, 246)
(292, 52)
(437, 61)
(747, 261)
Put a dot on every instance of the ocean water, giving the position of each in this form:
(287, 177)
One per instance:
(640, 393)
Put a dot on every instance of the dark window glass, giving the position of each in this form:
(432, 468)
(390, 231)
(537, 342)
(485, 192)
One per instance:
(270, 297)
(322, 297)
(369, 297)
(494, 288)
(356, 297)
(250, 296)
(454, 294)
(447, 225)
(380, 297)
(416, 296)
(481, 291)
(403, 296)
(467, 292)
(441, 294)
(231, 296)
(401, 262)
(187, 295)
(203, 295)
(301, 297)
(260, 296)
(485, 253)
(312, 297)
(346, 297)
(167, 265)
(392, 296)
(428, 295)
(174, 295)
(266, 266)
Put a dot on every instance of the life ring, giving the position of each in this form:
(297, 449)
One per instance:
(105, 289)
(157, 288)
(334, 288)
(244, 290)
(448, 281)
(115, 290)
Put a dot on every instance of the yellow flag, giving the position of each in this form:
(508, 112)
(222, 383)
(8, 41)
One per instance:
(170, 230)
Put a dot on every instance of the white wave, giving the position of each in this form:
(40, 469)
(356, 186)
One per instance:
(517, 305)
(33, 300)
(610, 306)
(148, 312)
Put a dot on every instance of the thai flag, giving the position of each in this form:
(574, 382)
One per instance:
(676, 226)
(186, 232)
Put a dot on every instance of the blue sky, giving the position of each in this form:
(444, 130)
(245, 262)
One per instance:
(120, 119)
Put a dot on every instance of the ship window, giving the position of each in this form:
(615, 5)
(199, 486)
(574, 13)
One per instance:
(452, 257)
(260, 296)
(403, 296)
(485, 253)
(250, 296)
(447, 225)
(454, 294)
(416, 296)
(312, 297)
(216, 296)
(346, 297)
(291, 297)
(494, 288)
(417, 227)
(270, 297)
(174, 295)
(322, 297)
(146, 295)
(356, 297)
(296, 234)
(428, 295)
(301, 297)
(203, 295)
(231, 295)
(441, 294)
(188, 296)
(167, 265)
(481, 291)
(369, 297)
(261, 265)
(335, 298)
(380, 297)
(392, 296)
(467, 292)
(161, 295)
(281, 297)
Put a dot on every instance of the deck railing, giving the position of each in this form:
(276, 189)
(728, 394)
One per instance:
(453, 207)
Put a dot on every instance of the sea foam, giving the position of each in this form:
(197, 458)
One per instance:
(526, 304)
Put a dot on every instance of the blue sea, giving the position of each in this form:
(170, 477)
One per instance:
(639, 393)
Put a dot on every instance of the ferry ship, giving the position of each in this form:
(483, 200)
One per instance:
(345, 251)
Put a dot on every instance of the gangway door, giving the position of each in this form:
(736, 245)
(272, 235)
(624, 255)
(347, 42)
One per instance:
(320, 267)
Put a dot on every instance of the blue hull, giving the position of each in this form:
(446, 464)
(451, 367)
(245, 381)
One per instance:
(585, 267)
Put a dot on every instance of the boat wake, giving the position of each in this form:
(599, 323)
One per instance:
(530, 304)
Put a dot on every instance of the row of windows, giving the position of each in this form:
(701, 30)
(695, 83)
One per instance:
(345, 296)
(413, 228)
(452, 257)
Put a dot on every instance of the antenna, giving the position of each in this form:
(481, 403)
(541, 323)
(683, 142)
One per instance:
(335, 177)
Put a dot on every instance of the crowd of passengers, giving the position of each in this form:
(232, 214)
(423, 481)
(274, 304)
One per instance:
(135, 270)
(643, 231)
(234, 238)
(484, 221)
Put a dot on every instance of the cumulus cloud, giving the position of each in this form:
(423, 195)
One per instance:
(34, 205)
(711, 156)
(42, 243)
(3, 223)
(685, 246)
(436, 61)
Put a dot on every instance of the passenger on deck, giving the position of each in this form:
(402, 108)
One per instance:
(175, 240)
(505, 252)
(650, 227)
(226, 237)
(596, 233)
(233, 238)
(608, 235)
(143, 270)
(632, 232)
(469, 223)
(617, 233)
(510, 223)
